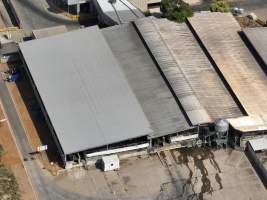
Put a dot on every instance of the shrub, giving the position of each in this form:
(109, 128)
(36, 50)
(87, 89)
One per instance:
(1, 151)
(176, 10)
(8, 185)
(219, 6)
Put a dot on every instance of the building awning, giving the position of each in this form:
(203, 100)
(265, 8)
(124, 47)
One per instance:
(258, 144)
(249, 123)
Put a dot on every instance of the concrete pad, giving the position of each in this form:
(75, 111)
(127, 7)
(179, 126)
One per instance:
(195, 177)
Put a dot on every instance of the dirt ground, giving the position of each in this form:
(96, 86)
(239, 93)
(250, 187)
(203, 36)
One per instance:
(245, 22)
(33, 121)
(263, 158)
(182, 174)
(12, 160)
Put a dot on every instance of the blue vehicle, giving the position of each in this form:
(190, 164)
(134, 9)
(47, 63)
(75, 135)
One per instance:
(14, 77)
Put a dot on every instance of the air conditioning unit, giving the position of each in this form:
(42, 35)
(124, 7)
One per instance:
(110, 163)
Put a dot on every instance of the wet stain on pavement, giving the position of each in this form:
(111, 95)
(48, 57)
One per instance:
(219, 181)
(199, 155)
(126, 179)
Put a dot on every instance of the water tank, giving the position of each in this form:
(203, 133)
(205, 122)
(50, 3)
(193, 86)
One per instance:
(221, 125)
(253, 16)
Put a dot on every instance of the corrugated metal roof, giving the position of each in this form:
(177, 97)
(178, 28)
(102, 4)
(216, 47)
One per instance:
(85, 93)
(154, 96)
(258, 39)
(188, 70)
(219, 34)
(119, 12)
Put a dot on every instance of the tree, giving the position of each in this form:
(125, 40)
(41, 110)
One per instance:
(219, 6)
(176, 10)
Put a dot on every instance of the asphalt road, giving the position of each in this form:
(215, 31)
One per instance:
(35, 14)
(41, 180)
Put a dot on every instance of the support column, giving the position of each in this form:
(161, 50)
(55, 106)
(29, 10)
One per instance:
(150, 147)
(78, 9)
(91, 8)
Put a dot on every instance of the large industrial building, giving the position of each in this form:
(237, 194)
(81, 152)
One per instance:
(220, 36)
(146, 85)
(87, 100)
(103, 102)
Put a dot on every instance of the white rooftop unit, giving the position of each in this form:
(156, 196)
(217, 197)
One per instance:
(110, 163)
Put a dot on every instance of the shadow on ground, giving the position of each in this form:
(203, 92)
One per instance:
(37, 117)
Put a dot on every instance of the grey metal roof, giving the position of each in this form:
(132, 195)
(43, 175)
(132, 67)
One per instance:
(120, 12)
(219, 34)
(84, 91)
(258, 39)
(188, 70)
(154, 96)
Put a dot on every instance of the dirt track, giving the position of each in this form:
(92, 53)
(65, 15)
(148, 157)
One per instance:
(12, 160)
(33, 121)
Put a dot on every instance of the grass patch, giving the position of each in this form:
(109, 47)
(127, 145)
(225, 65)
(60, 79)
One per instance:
(219, 6)
(8, 183)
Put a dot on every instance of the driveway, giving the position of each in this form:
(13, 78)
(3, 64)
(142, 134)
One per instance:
(35, 14)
